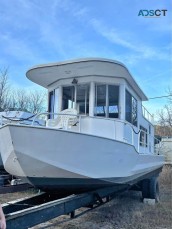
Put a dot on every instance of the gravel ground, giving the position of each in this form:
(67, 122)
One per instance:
(125, 211)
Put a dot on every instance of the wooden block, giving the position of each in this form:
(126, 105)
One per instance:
(149, 201)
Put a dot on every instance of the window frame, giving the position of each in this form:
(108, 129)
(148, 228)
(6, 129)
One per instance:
(74, 96)
(130, 112)
(106, 100)
(143, 136)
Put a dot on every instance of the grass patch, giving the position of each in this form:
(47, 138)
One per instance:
(166, 175)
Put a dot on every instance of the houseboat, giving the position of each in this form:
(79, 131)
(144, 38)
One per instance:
(97, 133)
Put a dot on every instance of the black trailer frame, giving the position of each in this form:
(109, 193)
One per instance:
(43, 207)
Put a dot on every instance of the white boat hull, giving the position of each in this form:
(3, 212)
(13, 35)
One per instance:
(60, 160)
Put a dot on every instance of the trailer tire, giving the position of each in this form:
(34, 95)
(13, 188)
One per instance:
(150, 189)
(145, 188)
(154, 189)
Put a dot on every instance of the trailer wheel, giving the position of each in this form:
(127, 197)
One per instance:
(150, 189)
(154, 189)
(145, 189)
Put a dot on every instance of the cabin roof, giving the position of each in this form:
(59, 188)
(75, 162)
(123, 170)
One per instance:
(47, 74)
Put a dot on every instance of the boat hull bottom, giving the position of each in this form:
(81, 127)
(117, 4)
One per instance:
(80, 185)
(71, 186)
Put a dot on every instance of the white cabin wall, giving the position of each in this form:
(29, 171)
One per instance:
(122, 101)
(56, 100)
(92, 99)
(59, 98)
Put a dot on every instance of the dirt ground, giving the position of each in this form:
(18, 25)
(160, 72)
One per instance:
(125, 211)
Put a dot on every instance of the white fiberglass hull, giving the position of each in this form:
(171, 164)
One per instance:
(62, 160)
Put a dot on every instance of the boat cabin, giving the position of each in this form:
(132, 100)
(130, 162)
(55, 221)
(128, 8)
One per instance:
(106, 97)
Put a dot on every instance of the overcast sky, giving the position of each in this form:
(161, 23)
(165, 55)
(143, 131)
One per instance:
(41, 31)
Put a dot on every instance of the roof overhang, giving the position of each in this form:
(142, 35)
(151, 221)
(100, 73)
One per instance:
(48, 74)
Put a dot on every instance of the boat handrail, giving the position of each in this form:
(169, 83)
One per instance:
(124, 122)
(19, 120)
(157, 146)
(147, 115)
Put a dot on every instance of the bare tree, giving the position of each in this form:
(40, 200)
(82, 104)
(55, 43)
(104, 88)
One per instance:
(169, 91)
(163, 130)
(37, 101)
(4, 87)
(165, 117)
(29, 101)
(12, 102)
(20, 99)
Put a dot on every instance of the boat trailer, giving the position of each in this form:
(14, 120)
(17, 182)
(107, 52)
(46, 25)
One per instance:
(28, 212)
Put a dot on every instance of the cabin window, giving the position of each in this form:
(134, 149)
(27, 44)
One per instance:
(76, 97)
(113, 95)
(100, 108)
(107, 101)
(82, 99)
(130, 108)
(143, 137)
(68, 97)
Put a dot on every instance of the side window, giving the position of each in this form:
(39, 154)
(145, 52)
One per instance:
(130, 108)
(143, 136)
(113, 96)
(100, 103)
(68, 97)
